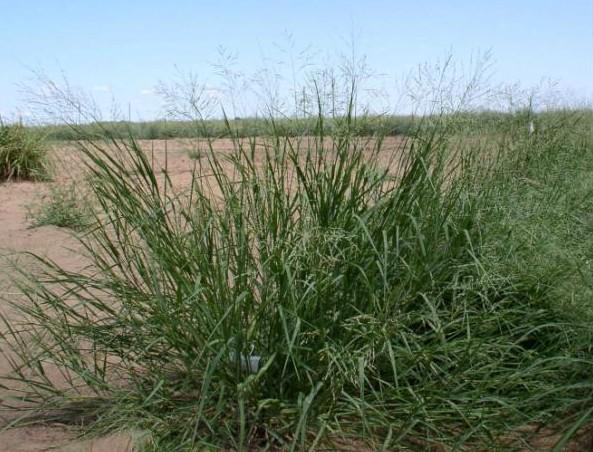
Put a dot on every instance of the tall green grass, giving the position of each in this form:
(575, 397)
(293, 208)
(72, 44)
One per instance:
(23, 154)
(395, 297)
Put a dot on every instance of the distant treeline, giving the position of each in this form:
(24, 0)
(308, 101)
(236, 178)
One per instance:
(385, 125)
(157, 130)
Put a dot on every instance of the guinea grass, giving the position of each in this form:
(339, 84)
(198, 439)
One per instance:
(388, 291)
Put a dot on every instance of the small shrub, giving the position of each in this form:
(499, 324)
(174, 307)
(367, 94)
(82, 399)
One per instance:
(64, 208)
(23, 154)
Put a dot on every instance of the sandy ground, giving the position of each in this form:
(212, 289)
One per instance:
(16, 237)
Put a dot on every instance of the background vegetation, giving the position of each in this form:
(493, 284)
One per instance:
(384, 125)
(158, 130)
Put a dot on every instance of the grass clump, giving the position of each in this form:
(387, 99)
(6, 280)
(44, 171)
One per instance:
(381, 291)
(195, 154)
(63, 207)
(23, 155)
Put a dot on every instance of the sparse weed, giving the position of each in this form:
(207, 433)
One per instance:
(195, 154)
(64, 207)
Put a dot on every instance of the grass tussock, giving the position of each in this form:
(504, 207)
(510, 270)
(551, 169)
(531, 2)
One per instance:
(23, 155)
(409, 297)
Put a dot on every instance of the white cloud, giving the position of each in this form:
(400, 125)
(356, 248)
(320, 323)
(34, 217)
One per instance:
(102, 88)
(214, 93)
(147, 92)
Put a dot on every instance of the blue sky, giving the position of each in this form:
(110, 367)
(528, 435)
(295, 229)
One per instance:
(121, 49)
